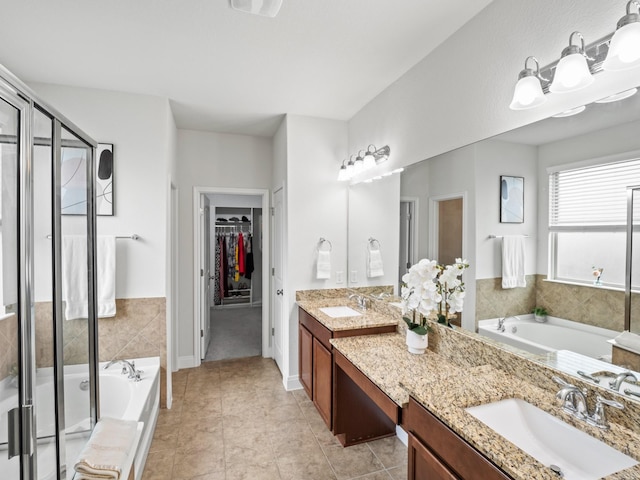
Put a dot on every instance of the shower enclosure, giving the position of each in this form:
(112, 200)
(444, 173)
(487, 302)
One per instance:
(46, 170)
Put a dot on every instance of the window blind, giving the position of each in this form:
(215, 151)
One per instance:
(592, 196)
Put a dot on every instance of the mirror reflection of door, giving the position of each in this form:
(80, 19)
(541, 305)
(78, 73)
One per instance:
(449, 230)
(408, 229)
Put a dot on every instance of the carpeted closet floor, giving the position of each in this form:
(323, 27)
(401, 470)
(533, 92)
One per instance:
(235, 333)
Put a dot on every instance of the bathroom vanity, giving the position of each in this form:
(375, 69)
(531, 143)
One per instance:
(377, 384)
(315, 353)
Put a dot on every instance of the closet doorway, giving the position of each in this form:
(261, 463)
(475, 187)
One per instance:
(232, 265)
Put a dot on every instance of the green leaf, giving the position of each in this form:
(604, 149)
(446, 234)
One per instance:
(420, 330)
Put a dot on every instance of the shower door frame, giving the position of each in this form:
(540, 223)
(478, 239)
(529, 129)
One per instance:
(21, 97)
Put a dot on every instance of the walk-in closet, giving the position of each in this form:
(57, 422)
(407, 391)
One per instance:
(235, 253)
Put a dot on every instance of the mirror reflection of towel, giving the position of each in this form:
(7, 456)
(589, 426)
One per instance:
(375, 267)
(323, 267)
(513, 261)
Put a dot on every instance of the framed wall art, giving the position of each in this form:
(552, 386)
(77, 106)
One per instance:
(511, 199)
(74, 180)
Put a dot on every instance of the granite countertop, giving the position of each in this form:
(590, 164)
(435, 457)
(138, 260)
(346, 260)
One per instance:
(368, 319)
(447, 390)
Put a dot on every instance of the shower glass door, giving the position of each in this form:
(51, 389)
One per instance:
(74, 182)
(9, 287)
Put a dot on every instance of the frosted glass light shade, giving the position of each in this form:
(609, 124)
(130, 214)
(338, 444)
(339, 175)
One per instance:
(572, 73)
(266, 8)
(527, 94)
(369, 161)
(624, 50)
(343, 175)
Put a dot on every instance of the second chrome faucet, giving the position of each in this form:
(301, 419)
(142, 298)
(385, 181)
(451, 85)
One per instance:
(574, 401)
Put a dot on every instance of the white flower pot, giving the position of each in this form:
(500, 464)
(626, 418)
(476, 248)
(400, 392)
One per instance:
(540, 318)
(416, 343)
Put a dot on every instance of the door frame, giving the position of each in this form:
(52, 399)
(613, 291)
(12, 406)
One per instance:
(197, 240)
(468, 320)
(284, 331)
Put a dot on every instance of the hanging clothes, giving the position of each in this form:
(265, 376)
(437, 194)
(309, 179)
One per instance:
(217, 300)
(236, 267)
(241, 255)
(222, 273)
(249, 258)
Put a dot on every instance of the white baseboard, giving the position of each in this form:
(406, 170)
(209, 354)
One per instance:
(186, 362)
(402, 435)
(292, 383)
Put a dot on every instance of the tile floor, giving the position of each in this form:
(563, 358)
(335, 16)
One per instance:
(233, 420)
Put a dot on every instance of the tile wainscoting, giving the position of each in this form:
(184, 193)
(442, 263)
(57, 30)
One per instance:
(585, 304)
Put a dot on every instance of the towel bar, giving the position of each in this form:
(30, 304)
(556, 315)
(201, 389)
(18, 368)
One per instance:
(500, 236)
(133, 236)
(322, 241)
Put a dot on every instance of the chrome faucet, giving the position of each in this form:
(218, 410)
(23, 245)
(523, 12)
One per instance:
(361, 299)
(621, 377)
(574, 401)
(501, 321)
(127, 367)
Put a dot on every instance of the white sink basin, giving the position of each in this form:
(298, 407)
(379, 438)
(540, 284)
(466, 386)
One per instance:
(337, 312)
(551, 441)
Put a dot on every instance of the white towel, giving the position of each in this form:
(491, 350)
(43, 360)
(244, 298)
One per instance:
(323, 267)
(374, 263)
(513, 261)
(106, 453)
(74, 276)
(629, 340)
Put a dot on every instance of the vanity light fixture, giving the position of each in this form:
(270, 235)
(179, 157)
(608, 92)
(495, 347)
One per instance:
(369, 159)
(570, 113)
(572, 71)
(624, 49)
(265, 8)
(619, 50)
(364, 160)
(528, 92)
(343, 176)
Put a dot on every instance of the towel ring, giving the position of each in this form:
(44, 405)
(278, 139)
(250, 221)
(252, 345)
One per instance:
(372, 243)
(322, 241)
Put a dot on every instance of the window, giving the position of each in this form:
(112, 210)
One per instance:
(587, 222)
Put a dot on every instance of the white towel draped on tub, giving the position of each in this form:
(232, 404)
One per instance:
(74, 276)
(375, 267)
(513, 261)
(628, 340)
(323, 267)
(108, 450)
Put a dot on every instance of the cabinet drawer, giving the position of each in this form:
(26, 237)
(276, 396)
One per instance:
(424, 465)
(319, 331)
(453, 451)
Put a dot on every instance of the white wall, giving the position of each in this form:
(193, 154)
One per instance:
(460, 93)
(495, 158)
(207, 159)
(316, 207)
(141, 129)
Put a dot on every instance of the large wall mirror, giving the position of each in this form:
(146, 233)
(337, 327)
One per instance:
(605, 132)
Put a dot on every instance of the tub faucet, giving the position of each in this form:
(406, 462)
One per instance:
(621, 377)
(501, 321)
(127, 367)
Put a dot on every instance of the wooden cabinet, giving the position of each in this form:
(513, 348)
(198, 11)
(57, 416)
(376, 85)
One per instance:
(322, 375)
(315, 360)
(437, 452)
(306, 360)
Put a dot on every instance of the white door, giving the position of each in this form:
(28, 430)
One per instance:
(278, 278)
(205, 275)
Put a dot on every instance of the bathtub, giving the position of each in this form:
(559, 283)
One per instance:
(553, 335)
(119, 398)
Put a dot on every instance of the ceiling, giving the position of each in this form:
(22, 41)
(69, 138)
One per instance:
(224, 70)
